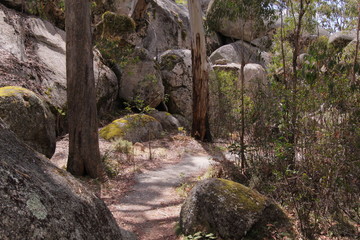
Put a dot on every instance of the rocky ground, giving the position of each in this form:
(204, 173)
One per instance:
(146, 193)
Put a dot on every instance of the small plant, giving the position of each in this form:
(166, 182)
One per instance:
(122, 146)
(111, 166)
(138, 105)
(200, 236)
(125, 147)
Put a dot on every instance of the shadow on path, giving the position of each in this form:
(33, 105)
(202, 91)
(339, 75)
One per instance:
(152, 208)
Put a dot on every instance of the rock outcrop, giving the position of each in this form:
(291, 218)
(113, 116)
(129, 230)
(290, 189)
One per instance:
(238, 28)
(133, 128)
(255, 79)
(168, 122)
(231, 211)
(32, 55)
(164, 25)
(141, 81)
(176, 73)
(29, 117)
(235, 52)
(341, 39)
(40, 201)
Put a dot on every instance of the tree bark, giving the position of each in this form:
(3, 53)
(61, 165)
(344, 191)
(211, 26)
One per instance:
(356, 49)
(200, 124)
(84, 155)
(303, 5)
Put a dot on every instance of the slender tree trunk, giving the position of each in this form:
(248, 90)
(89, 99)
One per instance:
(200, 125)
(285, 80)
(84, 155)
(356, 48)
(242, 93)
(294, 82)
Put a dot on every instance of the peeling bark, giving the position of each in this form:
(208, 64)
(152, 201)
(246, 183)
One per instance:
(200, 125)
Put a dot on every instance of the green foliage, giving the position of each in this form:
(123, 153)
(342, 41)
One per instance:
(113, 25)
(226, 102)
(51, 10)
(200, 236)
(337, 15)
(111, 165)
(325, 98)
(110, 39)
(310, 164)
(138, 105)
(168, 62)
(117, 51)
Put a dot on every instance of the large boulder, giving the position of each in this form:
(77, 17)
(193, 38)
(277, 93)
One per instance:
(348, 53)
(29, 117)
(235, 52)
(133, 128)
(141, 81)
(176, 73)
(168, 122)
(33, 56)
(238, 28)
(341, 39)
(165, 25)
(40, 201)
(52, 11)
(231, 211)
(255, 79)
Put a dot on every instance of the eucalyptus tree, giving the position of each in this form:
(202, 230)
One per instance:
(337, 15)
(84, 155)
(200, 124)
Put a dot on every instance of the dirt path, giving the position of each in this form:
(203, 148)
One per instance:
(152, 208)
(143, 199)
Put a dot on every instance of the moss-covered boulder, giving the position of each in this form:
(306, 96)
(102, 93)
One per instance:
(29, 118)
(134, 128)
(232, 211)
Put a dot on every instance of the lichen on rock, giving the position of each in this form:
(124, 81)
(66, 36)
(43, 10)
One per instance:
(29, 117)
(38, 203)
(36, 207)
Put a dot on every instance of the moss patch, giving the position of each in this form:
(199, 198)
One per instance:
(120, 127)
(110, 38)
(116, 24)
(241, 196)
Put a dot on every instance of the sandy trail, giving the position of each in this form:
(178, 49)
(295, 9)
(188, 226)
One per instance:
(147, 203)
(152, 208)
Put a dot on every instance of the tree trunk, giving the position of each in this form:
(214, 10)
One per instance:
(294, 86)
(84, 155)
(200, 124)
(356, 49)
